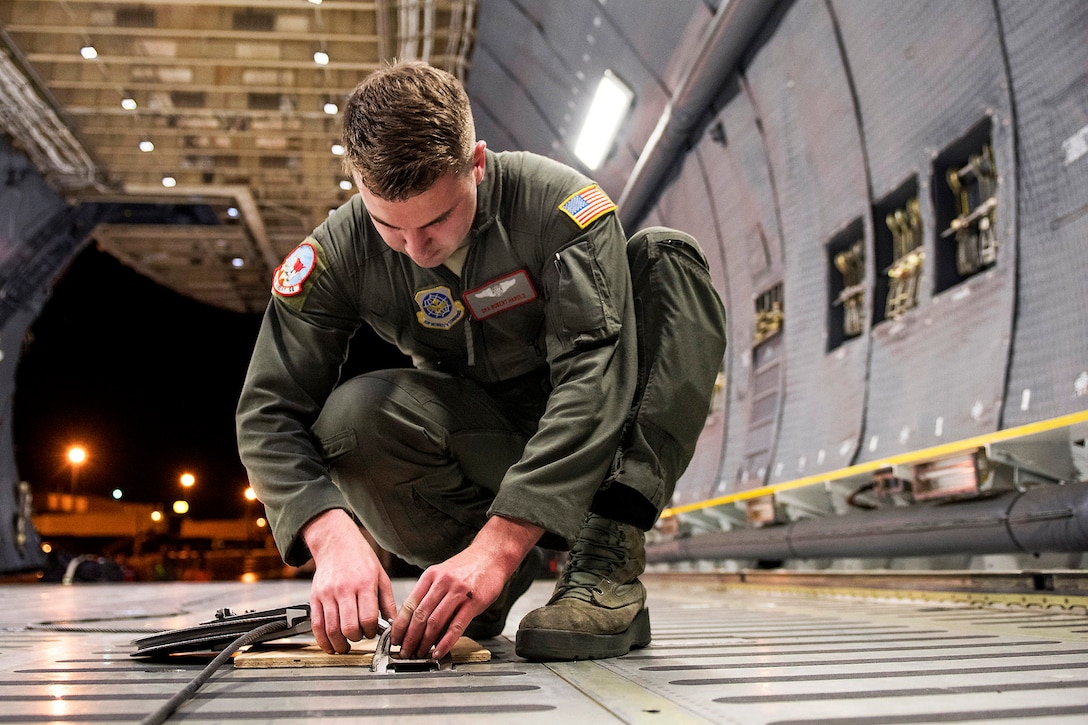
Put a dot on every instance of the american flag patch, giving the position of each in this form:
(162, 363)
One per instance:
(587, 205)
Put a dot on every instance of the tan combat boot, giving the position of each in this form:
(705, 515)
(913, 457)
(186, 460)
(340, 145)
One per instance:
(598, 608)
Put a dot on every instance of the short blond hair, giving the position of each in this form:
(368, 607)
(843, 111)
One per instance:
(405, 126)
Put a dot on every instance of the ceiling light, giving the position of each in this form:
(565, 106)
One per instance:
(232, 212)
(237, 262)
(346, 185)
(606, 114)
(321, 57)
(337, 150)
(129, 104)
(146, 146)
(315, 2)
(169, 182)
(330, 107)
(88, 52)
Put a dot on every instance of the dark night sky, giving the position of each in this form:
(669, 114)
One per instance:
(147, 380)
(144, 378)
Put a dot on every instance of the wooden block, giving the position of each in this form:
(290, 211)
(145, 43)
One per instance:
(308, 654)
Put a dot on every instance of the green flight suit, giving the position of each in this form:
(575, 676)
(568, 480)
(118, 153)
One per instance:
(543, 300)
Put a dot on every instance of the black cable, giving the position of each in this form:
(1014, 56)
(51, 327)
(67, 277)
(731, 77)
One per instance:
(168, 708)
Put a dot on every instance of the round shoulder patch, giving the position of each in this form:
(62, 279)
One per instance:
(296, 268)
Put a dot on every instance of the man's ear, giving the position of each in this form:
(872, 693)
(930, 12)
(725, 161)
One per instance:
(479, 161)
(357, 178)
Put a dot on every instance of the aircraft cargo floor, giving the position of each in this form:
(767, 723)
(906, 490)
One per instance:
(723, 654)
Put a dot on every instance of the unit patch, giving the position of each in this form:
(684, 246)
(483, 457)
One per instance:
(500, 295)
(437, 308)
(296, 268)
(587, 205)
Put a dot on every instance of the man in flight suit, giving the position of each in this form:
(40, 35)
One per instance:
(533, 413)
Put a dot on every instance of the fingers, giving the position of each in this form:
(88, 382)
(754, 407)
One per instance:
(463, 615)
(339, 620)
(387, 604)
(402, 624)
(350, 588)
(325, 623)
(440, 617)
(453, 633)
(317, 626)
(370, 608)
(350, 625)
(421, 631)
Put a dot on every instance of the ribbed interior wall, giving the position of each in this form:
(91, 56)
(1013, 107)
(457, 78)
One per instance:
(1048, 63)
(833, 113)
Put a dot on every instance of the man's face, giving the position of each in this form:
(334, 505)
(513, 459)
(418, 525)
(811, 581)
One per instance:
(430, 226)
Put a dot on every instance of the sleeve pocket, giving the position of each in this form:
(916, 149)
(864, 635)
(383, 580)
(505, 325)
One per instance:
(584, 309)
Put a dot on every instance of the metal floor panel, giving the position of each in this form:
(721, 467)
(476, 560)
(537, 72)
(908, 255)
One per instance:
(735, 655)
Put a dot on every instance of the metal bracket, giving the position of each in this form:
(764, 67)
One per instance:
(386, 661)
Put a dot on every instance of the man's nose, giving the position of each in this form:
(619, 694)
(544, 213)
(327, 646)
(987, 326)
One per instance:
(415, 241)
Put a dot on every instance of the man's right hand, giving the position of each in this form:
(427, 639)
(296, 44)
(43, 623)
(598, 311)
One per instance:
(350, 587)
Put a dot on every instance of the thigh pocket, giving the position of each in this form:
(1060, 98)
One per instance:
(451, 509)
(337, 445)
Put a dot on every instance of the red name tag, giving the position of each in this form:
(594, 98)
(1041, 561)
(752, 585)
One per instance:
(500, 295)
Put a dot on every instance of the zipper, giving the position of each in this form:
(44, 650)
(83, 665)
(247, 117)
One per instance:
(469, 347)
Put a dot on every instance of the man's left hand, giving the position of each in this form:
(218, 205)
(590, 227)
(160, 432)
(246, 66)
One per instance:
(449, 595)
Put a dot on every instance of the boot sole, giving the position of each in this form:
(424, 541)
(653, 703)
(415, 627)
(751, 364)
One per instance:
(564, 646)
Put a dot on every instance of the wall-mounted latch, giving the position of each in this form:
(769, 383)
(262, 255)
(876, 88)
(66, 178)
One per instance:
(851, 265)
(974, 187)
(905, 271)
(769, 314)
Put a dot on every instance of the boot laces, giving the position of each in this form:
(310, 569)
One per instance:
(599, 551)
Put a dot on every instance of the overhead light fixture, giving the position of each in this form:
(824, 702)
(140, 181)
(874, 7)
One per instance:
(169, 182)
(237, 262)
(232, 212)
(338, 149)
(321, 57)
(88, 52)
(606, 113)
(129, 104)
(315, 2)
(146, 146)
(331, 108)
(346, 185)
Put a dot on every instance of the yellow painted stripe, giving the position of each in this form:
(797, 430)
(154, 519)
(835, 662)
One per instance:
(925, 454)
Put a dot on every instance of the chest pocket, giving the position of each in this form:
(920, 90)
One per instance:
(583, 308)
